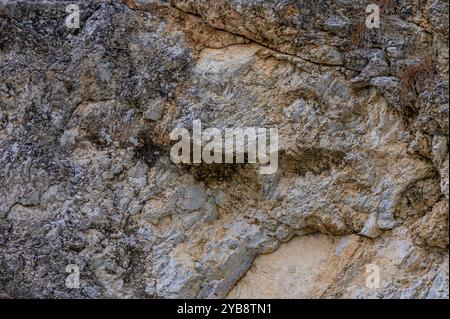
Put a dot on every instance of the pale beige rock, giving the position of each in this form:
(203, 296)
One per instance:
(304, 267)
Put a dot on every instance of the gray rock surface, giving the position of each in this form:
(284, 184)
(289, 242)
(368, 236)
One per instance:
(85, 173)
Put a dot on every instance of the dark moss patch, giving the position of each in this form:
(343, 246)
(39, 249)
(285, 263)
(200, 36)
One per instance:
(147, 150)
(310, 160)
(224, 172)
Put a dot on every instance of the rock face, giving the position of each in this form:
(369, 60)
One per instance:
(86, 179)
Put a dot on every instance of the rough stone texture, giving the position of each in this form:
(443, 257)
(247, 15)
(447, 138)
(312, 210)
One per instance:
(301, 268)
(86, 178)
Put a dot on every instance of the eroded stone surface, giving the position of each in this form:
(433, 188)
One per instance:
(85, 173)
(302, 268)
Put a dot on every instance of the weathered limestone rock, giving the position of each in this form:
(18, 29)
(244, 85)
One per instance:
(301, 268)
(86, 177)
